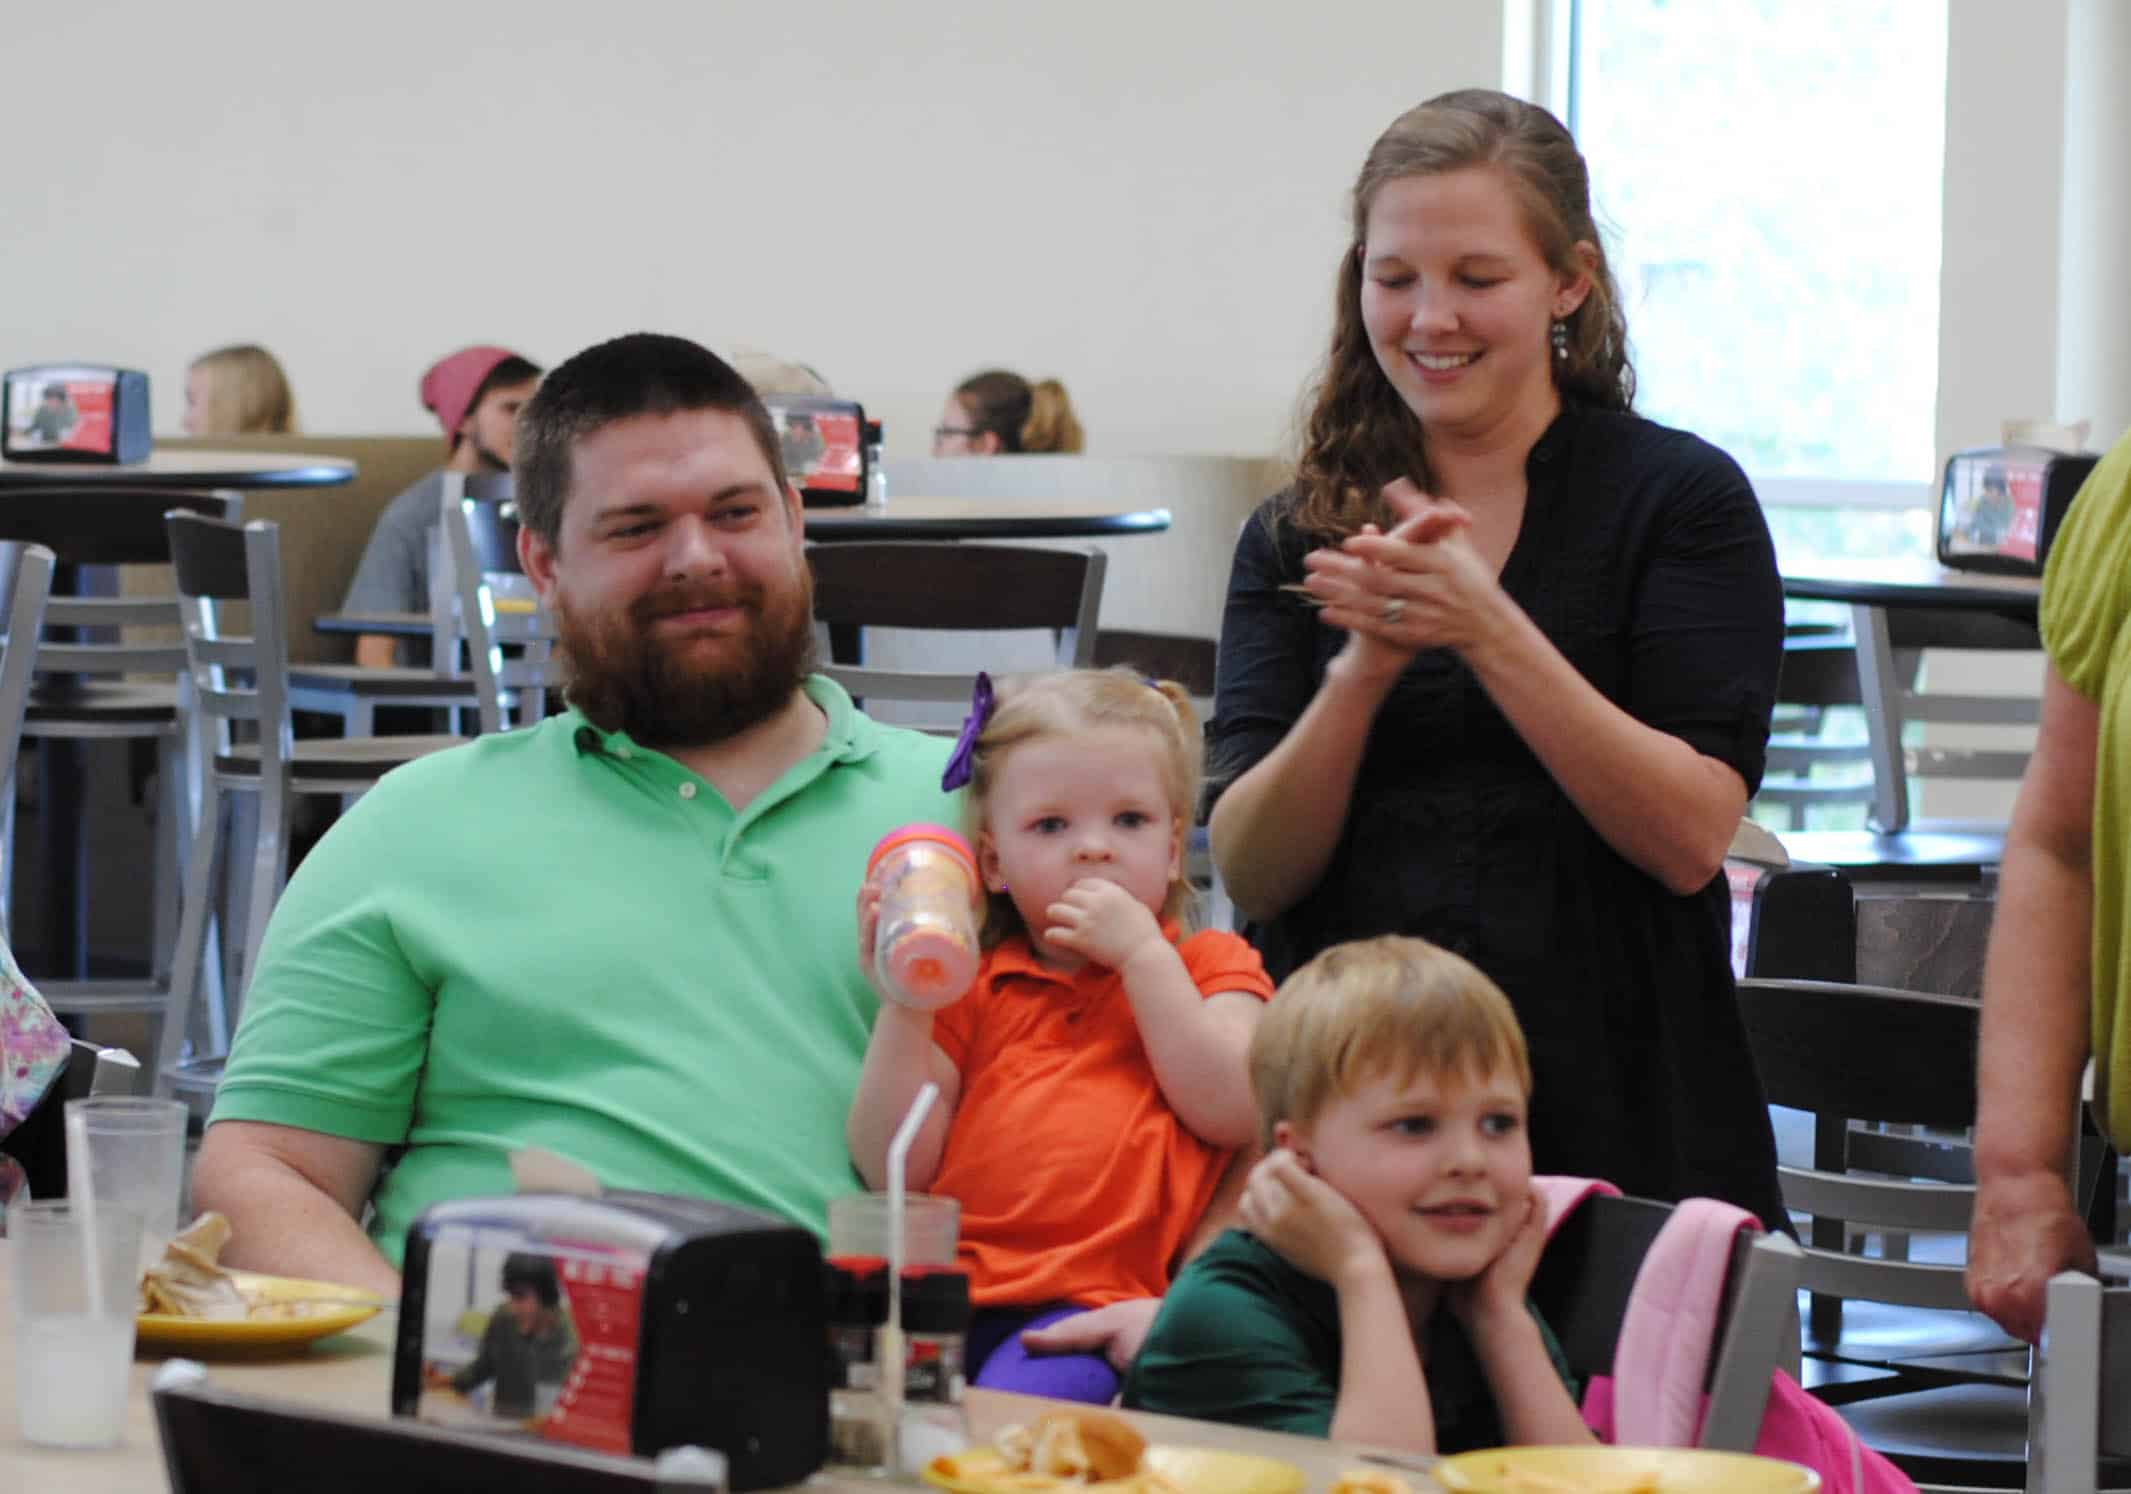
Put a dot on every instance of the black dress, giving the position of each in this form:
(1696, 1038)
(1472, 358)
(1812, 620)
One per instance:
(1644, 558)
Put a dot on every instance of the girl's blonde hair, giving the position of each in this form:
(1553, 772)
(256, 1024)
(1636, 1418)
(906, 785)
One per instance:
(247, 393)
(1071, 701)
(1389, 1005)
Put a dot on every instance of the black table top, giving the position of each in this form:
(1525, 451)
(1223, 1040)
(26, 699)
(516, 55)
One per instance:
(186, 469)
(982, 518)
(1909, 581)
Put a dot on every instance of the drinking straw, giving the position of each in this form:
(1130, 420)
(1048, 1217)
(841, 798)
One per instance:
(898, 1154)
(77, 1128)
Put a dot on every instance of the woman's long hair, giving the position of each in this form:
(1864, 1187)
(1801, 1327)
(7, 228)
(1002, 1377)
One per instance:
(1360, 434)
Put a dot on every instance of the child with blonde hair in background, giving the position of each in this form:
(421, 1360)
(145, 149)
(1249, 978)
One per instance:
(1092, 1081)
(239, 390)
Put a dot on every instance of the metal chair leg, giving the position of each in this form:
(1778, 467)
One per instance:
(189, 963)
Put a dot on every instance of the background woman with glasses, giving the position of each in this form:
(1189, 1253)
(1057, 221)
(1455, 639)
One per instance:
(997, 413)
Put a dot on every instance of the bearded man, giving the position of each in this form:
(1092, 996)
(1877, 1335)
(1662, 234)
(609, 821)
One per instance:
(626, 935)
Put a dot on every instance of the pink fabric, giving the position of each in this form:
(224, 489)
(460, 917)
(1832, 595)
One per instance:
(1563, 1194)
(1796, 1427)
(1669, 1336)
(448, 387)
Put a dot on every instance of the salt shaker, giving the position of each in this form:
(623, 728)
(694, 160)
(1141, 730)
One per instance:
(857, 1290)
(936, 1316)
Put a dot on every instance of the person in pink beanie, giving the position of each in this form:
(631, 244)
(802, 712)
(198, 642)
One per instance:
(475, 395)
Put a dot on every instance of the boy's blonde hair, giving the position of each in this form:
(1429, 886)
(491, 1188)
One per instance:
(1374, 1007)
(1071, 701)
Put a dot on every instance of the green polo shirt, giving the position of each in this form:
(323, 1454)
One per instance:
(557, 938)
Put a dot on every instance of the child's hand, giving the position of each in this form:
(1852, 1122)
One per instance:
(1100, 921)
(869, 922)
(1500, 1290)
(1308, 1222)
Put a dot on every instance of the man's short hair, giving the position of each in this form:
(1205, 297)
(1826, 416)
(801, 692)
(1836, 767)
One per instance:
(527, 1272)
(1360, 1011)
(643, 373)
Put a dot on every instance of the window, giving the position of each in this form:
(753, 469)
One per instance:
(1768, 175)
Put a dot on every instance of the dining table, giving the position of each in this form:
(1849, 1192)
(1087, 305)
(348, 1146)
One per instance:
(62, 941)
(351, 1373)
(1907, 602)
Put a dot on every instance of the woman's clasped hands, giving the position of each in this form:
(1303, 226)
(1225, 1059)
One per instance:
(1422, 584)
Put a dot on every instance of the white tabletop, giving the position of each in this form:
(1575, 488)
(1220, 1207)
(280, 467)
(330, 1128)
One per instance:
(187, 468)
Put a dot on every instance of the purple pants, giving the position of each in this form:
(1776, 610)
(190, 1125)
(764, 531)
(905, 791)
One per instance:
(998, 1362)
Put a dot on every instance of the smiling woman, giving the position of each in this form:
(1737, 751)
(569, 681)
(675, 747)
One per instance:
(1523, 717)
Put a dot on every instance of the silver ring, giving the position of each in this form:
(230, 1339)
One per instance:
(1391, 611)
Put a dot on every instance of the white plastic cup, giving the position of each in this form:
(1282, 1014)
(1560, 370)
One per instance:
(925, 952)
(858, 1227)
(75, 1288)
(129, 1154)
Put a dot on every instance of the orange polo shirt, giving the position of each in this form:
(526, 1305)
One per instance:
(1077, 1181)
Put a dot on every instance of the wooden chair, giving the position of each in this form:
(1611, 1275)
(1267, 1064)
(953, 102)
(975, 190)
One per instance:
(1587, 1274)
(243, 679)
(1881, 1327)
(969, 588)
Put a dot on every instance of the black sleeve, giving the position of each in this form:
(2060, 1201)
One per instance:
(1707, 626)
(1266, 667)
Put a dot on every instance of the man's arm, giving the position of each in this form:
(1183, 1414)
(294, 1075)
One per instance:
(2037, 985)
(293, 1199)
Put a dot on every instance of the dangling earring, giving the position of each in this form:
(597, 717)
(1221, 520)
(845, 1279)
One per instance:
(1560, 335)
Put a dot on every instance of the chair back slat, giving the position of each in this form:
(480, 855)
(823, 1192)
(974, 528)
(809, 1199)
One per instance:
(112, 658)
(1864, 1052)
(103, 525)
(28, 587)
(110, 612)
(208, 560)
(963, 587)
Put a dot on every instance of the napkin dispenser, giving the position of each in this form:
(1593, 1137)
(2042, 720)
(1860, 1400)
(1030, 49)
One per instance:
(2000, 506)
(74, 412)
(627, 1323)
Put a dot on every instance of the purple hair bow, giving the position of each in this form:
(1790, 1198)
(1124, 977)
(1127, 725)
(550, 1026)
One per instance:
(962, 762)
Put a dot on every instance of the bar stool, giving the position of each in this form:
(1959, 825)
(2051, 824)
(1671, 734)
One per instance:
(243, 679)
(88, 684)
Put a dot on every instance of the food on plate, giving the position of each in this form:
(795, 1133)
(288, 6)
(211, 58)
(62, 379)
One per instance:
(1370, 1481)
(189, 1281)
(1086, 1447)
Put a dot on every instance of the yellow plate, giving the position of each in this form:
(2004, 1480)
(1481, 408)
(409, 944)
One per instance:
(1620, 1470)
(320, 1307)
(1196, 1470)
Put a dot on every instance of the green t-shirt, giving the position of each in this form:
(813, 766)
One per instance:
(560, 939)
(2086, 603)
(1243, 1337)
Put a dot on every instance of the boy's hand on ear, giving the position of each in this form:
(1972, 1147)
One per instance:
(1100, 921)
(1501, 1288)
(1309, 1223)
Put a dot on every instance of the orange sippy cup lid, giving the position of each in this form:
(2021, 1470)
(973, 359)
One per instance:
(939, 835)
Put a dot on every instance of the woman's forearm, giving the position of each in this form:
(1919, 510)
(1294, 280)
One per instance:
(2035, 1013)
(1274, 829)
(1664, 807)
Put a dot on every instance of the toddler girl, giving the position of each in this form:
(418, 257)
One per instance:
(1093, 1082)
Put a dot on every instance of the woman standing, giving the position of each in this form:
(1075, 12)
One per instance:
(1497, 669)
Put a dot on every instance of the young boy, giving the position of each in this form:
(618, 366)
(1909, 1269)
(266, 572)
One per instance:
(1378, 1294)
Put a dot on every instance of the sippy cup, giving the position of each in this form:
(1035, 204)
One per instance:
(925, 946)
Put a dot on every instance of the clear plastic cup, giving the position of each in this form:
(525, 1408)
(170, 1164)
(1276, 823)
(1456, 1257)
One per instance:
(129, 1154)
(925, 950)
(75, 1291)
(858, 1228)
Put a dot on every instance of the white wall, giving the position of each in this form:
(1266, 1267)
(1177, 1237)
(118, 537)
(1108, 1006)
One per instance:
(1144, 199)
(2094, 358)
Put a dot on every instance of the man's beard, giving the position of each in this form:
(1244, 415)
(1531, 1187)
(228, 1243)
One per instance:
(625, 677)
